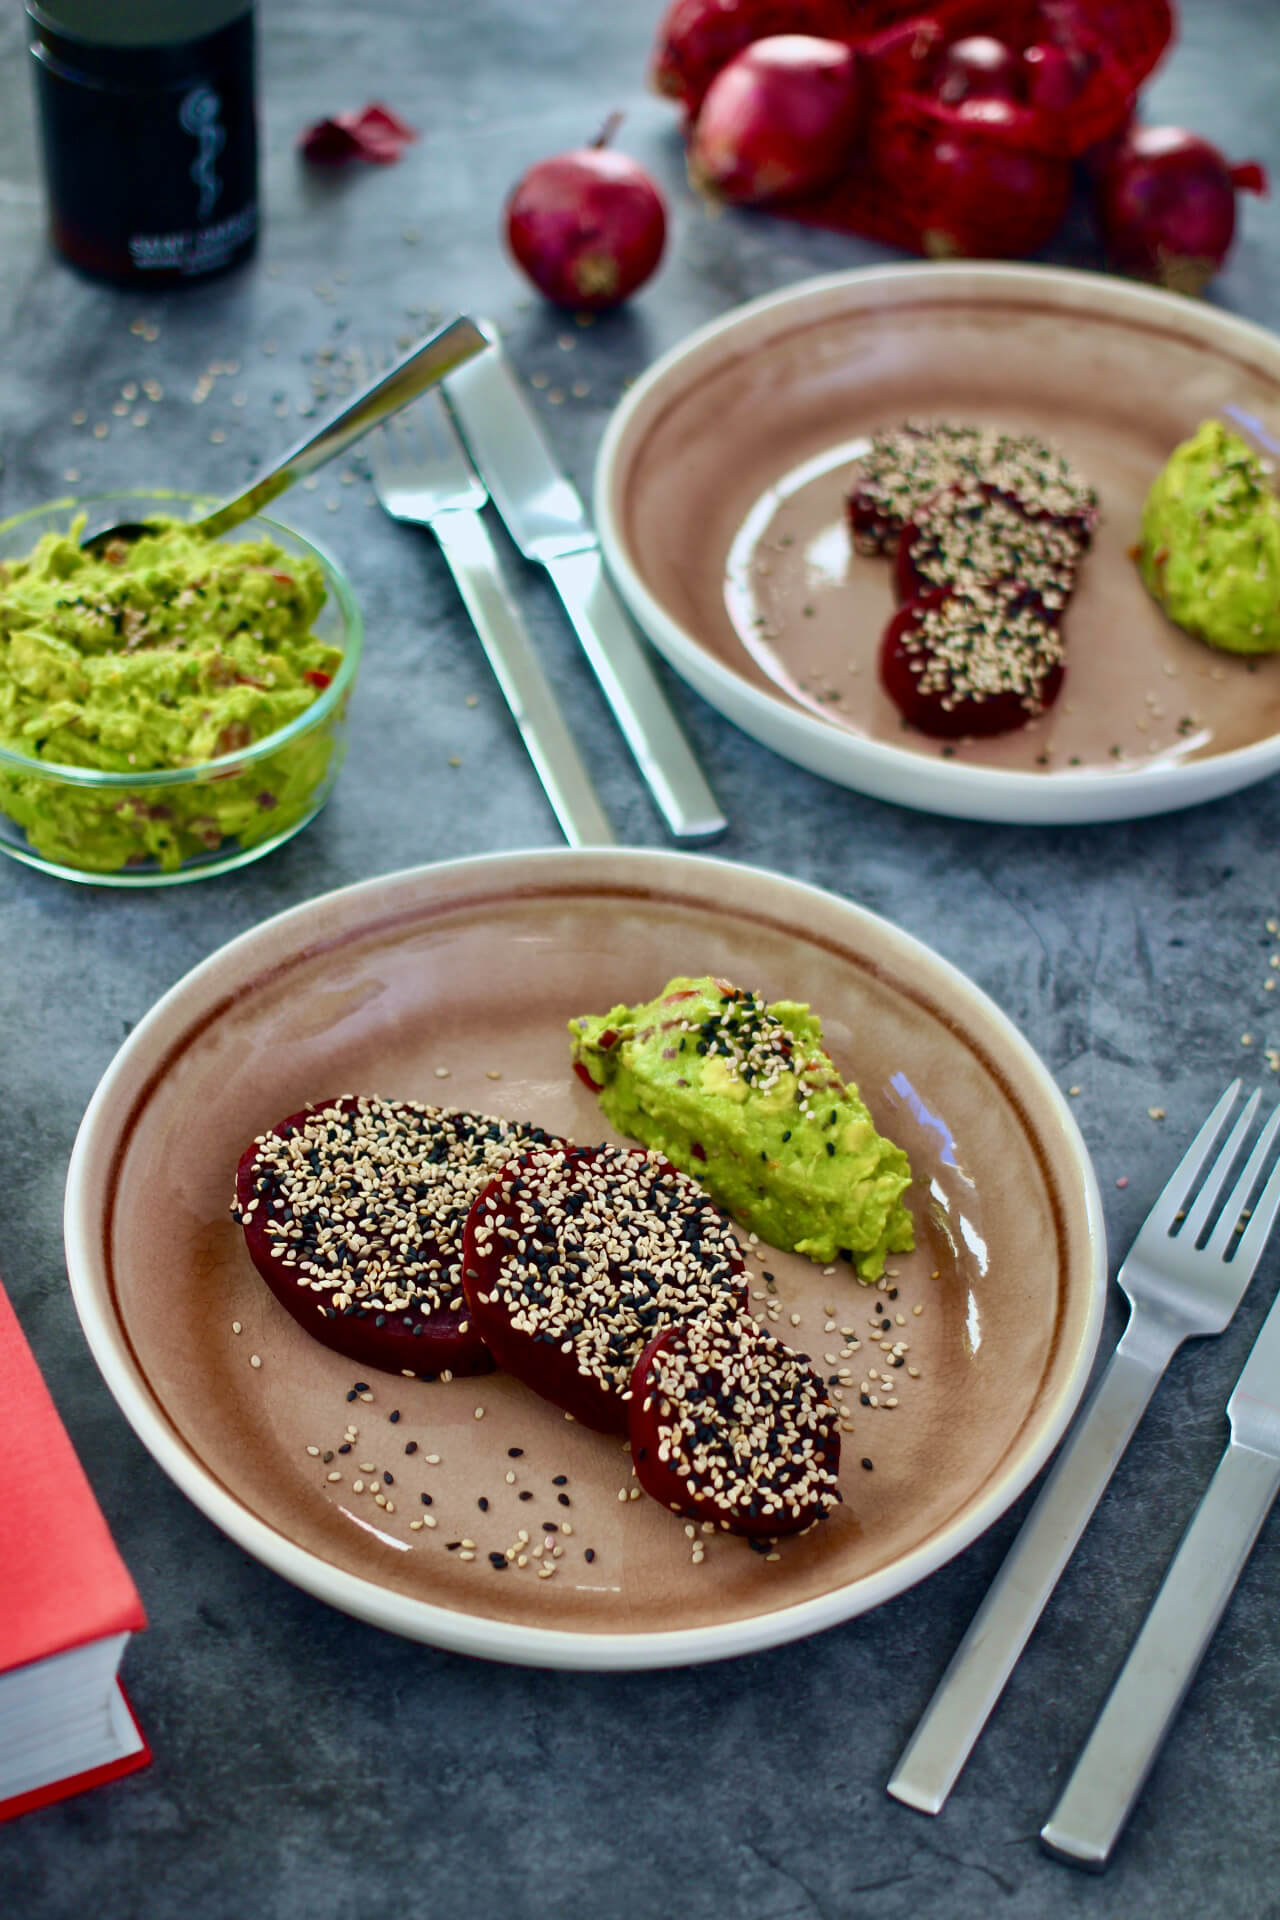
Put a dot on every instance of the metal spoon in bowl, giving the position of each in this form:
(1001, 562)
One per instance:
(384, 396)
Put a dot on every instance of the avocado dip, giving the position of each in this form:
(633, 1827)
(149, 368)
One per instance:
(744, 1097)
(159, 655)
(1210, 550)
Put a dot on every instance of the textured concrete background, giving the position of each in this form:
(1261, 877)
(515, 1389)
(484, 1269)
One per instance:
(308, 1765)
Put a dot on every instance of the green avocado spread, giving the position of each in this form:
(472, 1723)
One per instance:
(159, 655)
(1210, 551)
(745, 1097)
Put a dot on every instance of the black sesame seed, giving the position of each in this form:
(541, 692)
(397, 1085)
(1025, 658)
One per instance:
(561, 1480)
(564, 1499)
(451, 1546)
(327, 1456)
(345, 1447)
(483, 1504)
(388, 1480)
(865, 1399)
(412, 1447)
(425, 1499)
(589, 1555)
(361, 1386)
(526, 1496)
(498, 1560)
(514, 1453)
(867, 1465)
(393, 1417)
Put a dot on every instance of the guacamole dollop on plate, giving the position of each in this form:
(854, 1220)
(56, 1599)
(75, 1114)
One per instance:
(1210, 551)
(745, 1097)
(154, 658)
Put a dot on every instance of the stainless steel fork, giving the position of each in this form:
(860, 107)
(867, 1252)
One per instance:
(421, 474)
(1176, 1289)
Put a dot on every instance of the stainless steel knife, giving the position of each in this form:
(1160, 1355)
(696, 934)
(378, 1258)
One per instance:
(1120, 1752)
(546, 518)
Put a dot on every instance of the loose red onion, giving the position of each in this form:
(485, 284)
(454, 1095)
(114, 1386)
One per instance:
(979, 191)
(782, 118)
(588, 227)
(696, 38)
(979, 67)
(1166, 206)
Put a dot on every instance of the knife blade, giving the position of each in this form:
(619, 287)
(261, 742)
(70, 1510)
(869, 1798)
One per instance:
(1121, 1751)
(546, 518)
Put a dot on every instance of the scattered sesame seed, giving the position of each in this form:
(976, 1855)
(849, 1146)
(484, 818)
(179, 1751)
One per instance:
(255, 1360)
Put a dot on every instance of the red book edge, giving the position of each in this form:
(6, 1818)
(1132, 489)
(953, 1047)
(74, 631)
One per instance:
(81, 1782)
(66, 1582)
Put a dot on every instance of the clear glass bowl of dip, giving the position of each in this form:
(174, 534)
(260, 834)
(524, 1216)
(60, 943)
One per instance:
(186, 822)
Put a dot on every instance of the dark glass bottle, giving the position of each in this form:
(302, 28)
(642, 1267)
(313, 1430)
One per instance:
(150, 144)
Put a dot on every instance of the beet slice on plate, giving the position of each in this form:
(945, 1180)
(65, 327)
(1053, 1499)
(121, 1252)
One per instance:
(969, 535)
(353, 1211)
(963, 661)
(905, 467)
(728, 1424)
(575, 1257)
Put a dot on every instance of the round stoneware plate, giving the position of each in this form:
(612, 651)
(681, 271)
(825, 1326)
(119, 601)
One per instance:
(455, 984)
(719, 498)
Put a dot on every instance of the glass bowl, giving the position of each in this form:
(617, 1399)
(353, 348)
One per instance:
(161, 828)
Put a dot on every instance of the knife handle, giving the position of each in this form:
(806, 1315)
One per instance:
(466, 546)
(639, 704)
(982, 1663)
(1120, 1752)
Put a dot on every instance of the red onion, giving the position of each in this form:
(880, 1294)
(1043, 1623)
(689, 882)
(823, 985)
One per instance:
(782, 118)
(588, 227)
(1166, 206)
(696, 38)
(978, 191)
(979, 67)
(1054, 77)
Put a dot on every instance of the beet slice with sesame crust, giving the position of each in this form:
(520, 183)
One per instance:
(574, 1258)
(353, 1210)
(906, 466)
(729, 1425)
(972, 535)
(974, 661)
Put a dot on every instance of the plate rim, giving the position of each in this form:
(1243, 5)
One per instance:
(423, 1620)
(877, 767)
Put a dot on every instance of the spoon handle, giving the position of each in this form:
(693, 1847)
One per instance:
(384, 396)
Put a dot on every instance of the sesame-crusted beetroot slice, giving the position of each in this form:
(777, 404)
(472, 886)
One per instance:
(353, 1210)
(727, 1424)
(574, 1258)
(961, 662)
(906, 466)
(970, 535)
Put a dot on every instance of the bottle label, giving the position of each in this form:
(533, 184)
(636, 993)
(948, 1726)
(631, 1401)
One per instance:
(199, 116)
(196, 251)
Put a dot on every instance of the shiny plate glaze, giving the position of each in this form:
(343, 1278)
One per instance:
(475, 967)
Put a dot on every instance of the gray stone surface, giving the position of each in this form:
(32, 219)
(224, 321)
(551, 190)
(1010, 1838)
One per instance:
(306, 1764)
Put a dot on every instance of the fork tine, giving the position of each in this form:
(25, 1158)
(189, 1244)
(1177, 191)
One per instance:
(1229, 1219)
(1198, 1215)
(1181, 1181)
(1263, 1218)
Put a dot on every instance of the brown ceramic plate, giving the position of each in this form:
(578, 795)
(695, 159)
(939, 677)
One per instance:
(719, 497)
(456, 982)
